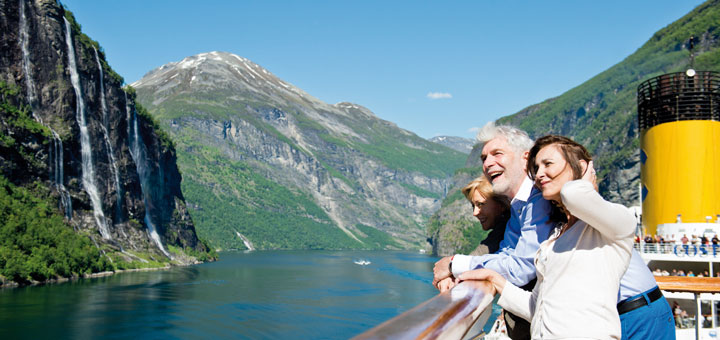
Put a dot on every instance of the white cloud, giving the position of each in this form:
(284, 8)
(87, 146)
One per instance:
(439, 95)
(474, 130)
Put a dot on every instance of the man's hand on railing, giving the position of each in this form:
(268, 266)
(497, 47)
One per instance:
(441, 271)
(445, 284)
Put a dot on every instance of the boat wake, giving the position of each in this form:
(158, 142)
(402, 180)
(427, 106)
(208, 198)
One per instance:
(362, 262)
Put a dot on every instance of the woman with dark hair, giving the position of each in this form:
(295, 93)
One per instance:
(580, 265)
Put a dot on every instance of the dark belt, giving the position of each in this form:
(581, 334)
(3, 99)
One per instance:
(635, 303)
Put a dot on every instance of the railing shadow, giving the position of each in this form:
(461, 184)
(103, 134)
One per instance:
(446, 316)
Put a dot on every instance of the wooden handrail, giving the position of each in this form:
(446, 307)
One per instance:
(689, 284)
(695, 285)
(451, 314)
(446, 316)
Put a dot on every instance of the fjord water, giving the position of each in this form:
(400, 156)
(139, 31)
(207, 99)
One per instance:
(254, 295)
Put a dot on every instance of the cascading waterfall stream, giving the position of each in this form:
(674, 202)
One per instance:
(59, 175)
(127, 113)
(139, 155)
(56, 151)
(24, 44)
(111, 153)
(88, 173)
(103, 102)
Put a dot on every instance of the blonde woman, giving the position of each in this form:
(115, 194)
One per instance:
(492, 211)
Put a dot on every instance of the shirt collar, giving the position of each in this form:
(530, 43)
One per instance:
(524, 193)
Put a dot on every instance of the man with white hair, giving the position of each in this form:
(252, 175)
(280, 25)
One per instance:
(504, 155)
(644, 312)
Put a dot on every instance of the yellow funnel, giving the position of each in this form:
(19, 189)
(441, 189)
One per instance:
(680, 167)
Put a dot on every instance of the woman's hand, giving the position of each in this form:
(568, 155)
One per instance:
(497, 280)
(589, 175)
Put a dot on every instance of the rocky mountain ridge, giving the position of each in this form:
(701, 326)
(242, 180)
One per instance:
(351, 170)
(461, 144)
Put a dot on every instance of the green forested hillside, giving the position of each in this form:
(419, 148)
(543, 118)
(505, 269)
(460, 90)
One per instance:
(35, 243)
(230, 205)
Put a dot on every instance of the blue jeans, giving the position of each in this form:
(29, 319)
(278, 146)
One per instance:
(653, 321)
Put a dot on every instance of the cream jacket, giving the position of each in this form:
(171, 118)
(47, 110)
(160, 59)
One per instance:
(578, 274)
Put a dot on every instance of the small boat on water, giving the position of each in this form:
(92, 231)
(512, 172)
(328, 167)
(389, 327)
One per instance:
(362, 262)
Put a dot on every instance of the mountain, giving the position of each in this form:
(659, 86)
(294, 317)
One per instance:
(266, 165)
(460, 144)
(602, 112)
(87, 181)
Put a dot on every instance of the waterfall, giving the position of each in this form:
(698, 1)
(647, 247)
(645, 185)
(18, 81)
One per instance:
(56, 151)
(111, 153)
(88, 173)
(103, 103)
(139, 155)
(127, 113)
(246, 241)
(24, 44)
(56, 155)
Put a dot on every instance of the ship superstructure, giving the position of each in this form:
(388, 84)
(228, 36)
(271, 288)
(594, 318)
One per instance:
(679, 123)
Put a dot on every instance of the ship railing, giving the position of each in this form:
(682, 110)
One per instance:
(459, 313)
(673, 248)
(654, 248)
(695, 285)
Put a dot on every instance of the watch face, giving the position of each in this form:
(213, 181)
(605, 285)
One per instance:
(690, 72)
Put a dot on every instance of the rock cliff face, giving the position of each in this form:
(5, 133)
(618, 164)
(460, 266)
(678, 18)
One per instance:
(113, 175)
(341, 165)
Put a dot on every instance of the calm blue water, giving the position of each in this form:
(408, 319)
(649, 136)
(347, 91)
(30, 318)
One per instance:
(256, 295)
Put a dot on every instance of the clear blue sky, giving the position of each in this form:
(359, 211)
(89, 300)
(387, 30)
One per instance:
(434, 68)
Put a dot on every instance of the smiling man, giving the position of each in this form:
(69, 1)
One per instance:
(504, 155)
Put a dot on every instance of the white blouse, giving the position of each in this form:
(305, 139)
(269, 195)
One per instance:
(578, 274)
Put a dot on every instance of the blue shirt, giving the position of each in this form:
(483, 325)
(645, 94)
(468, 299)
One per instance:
(527, 227)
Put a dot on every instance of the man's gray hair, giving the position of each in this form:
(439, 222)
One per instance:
(516, 138)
